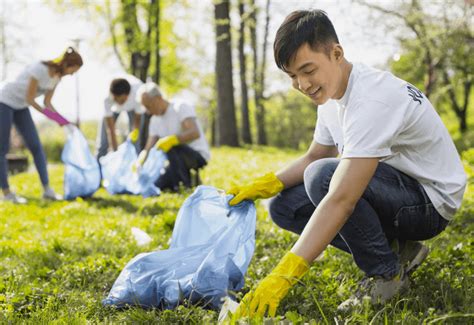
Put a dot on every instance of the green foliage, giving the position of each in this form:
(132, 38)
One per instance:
(60, 259)
(438, 57)
(290, 120)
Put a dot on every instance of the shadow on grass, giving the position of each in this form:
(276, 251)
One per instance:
(118, 202)
(152, 210)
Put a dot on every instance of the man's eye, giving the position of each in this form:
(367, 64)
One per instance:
(310, 72)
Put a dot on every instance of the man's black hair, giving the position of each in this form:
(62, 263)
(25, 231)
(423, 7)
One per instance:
(311, 27)
(120, 87)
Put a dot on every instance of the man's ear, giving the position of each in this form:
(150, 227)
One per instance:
(338, 52)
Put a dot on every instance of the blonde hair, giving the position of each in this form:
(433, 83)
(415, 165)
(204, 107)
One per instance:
(69, 58)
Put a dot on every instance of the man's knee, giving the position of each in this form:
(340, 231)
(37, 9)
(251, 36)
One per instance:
(276, 208)
(317, 177)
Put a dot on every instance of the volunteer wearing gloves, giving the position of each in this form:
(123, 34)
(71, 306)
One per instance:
(38, 79)
(121, 98)
(174, 128)
(399, 176)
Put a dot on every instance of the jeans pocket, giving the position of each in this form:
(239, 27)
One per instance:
(418, 222)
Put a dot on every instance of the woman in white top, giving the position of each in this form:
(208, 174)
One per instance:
(40, 78)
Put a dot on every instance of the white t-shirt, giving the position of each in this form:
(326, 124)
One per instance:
(13, 93)
(381, 115)
(170, 123)
(131, 104)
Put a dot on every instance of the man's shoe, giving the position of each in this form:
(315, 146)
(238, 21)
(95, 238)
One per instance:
(12, 197)
(49, 194)
(378, 290)
(412, 254)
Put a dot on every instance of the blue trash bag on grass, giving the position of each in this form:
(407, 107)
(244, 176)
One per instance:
(82, 171)
(119, 177)
(211, 248)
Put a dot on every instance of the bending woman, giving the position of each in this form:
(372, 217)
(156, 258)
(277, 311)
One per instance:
(40, 78)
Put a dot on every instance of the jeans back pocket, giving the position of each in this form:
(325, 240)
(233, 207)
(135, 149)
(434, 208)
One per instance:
(419, 222)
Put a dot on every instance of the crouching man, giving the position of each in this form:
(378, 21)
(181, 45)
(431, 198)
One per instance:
(382, 167)
(175, 129)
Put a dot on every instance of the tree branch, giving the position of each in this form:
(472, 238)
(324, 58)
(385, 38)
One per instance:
(110, 22)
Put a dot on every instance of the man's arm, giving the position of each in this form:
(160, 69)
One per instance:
(109, 121)
(347, 186)
(189, 131)
(136, 120)
(150, 142)
(293, 174)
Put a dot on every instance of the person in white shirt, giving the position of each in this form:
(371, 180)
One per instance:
(121, 98)
(40, 78)
(175, 129)
(398, 178)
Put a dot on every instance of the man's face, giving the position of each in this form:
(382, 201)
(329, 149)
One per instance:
(152, 104)
(120, 99)
(315, 74)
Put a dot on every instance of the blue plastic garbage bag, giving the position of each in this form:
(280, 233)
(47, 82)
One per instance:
(211, 247)
(119, 178)
(82, 172)
(144, 179)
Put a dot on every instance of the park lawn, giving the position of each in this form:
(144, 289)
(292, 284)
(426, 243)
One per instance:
(60, 259)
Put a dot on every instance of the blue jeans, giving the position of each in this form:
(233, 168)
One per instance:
(182, 158)
(393, 206)
(102, 143)
(23, 122)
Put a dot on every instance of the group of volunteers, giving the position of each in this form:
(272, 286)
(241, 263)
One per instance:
(173, 126)
(381, 174)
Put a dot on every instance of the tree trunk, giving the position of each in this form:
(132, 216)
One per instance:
(155, 5)
(226, 121)
(246, 135)
(262, 133)
(460, 112)
(259, 73)
(255, 82)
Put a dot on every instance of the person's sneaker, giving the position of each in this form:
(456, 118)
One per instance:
(412, 254)
(378, 290)
(12, 197)
(49, 194)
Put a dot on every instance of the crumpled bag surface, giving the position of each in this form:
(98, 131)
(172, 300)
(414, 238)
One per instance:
(119, 178)
(82, 171)
(211, 248)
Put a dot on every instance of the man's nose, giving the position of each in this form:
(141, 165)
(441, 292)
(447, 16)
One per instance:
(304, 84)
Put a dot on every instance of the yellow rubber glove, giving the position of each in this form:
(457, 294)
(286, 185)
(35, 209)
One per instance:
(167, 143)
(133, 136)
(273, 288)
(263, 187)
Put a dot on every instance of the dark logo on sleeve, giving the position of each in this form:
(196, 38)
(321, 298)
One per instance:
(414, 93)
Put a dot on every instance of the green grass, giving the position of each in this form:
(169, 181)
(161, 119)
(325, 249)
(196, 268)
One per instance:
(59, 260)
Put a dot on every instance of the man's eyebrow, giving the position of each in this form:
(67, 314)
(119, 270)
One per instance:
(307, 64)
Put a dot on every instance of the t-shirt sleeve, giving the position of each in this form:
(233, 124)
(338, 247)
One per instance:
(39, 71)
(138, 108)
(108, 102)
(185, 111)
(369, 129)
(154, 127)
(322, 134)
